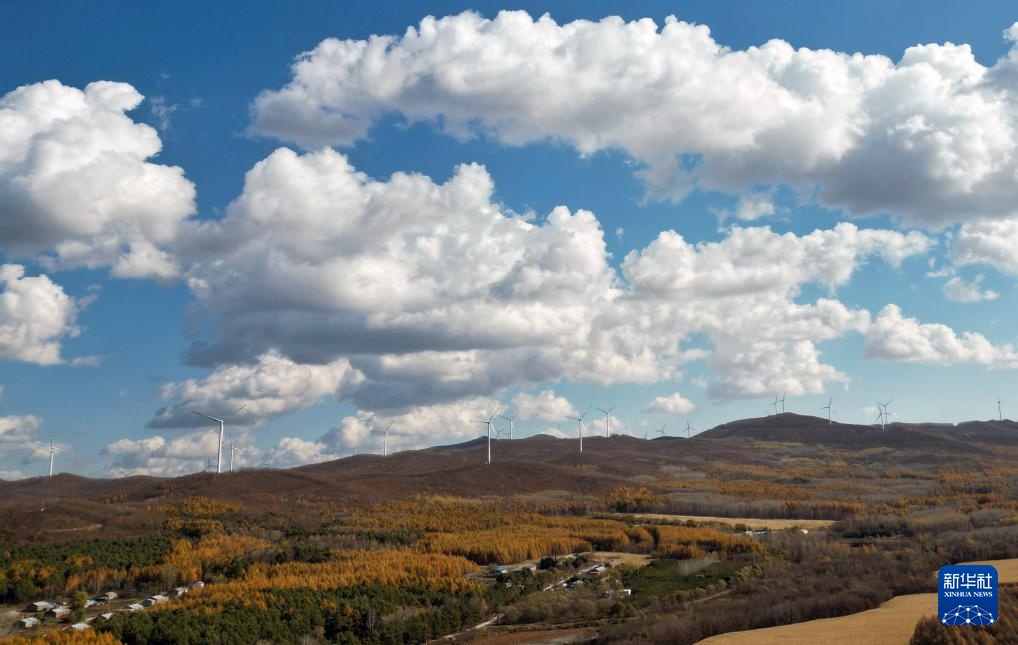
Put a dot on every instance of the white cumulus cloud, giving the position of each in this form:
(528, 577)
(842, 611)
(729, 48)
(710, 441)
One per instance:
(77, 184)
(271, 386)
(435, 293)
(893, 336)
(672, 404)
(35, 316)
(190, 453)
(546, 405)
(931, 137)
(959, 290)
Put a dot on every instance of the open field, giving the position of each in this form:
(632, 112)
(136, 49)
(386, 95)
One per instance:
(751, 522)
(892, 623)
(615, 558)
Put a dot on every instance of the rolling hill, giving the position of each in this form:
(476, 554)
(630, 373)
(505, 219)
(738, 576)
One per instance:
(541, 467)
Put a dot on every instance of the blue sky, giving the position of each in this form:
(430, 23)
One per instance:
(200, 67)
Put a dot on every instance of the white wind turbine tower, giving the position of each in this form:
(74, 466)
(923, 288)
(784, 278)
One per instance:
(1000, 414)
(233, 451)
(884, 414)
(489, 423)
(607, 420)
(53, 450)
(661, 430)
(579, 427)
(222, 428)
(828, 408)
(385, 439)
(775, 404)
(510, 420)
(782, 403)
(688, 428)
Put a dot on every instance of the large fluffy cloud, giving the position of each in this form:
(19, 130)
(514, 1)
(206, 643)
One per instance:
(35, 315)
(434, 293)
(271, 386)
(893, 336)
(77, 183)
(931, 137)
(741, 293)
(431, 290)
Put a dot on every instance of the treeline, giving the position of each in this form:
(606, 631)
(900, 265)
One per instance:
(713, 504)
(685, 542)
(406, 569)
(30, 571)
(198, 516)
(364, 615)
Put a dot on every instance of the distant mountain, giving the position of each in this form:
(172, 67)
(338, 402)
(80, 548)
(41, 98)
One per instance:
(67, 506)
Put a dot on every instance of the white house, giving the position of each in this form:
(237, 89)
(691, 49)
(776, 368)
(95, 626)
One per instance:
(29, 622)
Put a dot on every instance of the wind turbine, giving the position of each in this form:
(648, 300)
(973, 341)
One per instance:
(510, 420)
(688, 428)
(579, 426)
(775, 404)
(233, 451)
(488, 423)
(607, 420)
(385, 439)
(661, 430)
(53, 450)
(1000, 415)
(882, 416)
(828, 408)
(222, 428)
(125, 473)
(782, 403)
